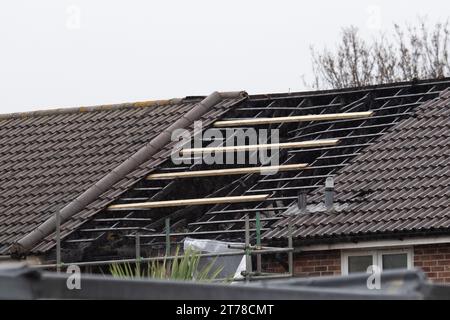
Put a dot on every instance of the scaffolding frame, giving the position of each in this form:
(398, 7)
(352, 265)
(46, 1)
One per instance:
(247, 250)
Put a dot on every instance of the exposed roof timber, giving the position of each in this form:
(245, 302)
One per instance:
(123, 219)
(148, 189)
(81, 240)
(347, 146)
(225, 172)
(312, 117)
(409, 95)
(285, 188)
(287, 145)
(190, 202)
(343, 121)
(290, 108)
(321, 93)
(212, 222)
(337, 130)
(183, 234)
(295, 178)
(116, 229)
(247, 210)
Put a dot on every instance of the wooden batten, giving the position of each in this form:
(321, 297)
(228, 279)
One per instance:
(188, 202)
(225, 172)
(287, 145)
(312, 117)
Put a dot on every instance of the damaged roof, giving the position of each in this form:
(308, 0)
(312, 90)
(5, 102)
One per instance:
(388, 106)
(400, 184)
(391, 169)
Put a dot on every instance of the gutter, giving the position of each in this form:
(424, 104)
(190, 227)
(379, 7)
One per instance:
(25, 244)
(376, 244)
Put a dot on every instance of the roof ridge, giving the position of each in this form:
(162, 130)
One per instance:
(352, 89)
(117, 106)
(103, 107)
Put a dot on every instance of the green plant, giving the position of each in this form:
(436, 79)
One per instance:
(184, 267)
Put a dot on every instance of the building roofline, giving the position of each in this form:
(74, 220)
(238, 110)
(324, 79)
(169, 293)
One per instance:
(115, 106)
(316, 93)
(158, 103)
(374, 243)
(26, 243)
(82, 109)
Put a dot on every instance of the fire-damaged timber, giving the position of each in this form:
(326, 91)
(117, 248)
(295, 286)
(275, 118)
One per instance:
(224, 172)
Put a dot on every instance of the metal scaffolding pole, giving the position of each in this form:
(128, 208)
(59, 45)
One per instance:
(248, 257)
(258, 242)
(269, 250)
(168, 236)
(58, 241)
(138, 253)
(290, 253)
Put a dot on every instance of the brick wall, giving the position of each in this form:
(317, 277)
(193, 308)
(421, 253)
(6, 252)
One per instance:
(309, 264)
(434, 260)
(317, 264)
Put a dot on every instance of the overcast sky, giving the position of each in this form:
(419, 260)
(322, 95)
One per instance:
(57, 53)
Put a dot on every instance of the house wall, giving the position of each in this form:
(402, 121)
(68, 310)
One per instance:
(307, 264)
(434, 260)
(319, 263)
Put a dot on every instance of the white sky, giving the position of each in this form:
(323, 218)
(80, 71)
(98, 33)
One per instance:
(56, 53)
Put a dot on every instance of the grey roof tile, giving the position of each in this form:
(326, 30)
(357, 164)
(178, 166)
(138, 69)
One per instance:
(406, 174)
(47, 160)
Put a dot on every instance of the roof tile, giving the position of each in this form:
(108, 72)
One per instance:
(406, 174)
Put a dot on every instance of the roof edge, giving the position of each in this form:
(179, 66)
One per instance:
(307, 93)
(117, 106)
(69, 110)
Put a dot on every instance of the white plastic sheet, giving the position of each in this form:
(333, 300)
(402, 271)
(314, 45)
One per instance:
(232, 265)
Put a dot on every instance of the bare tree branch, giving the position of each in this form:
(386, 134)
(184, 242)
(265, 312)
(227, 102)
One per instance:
(414, 52)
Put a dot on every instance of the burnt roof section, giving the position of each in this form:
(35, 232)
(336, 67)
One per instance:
(398, 186)
(48, 158)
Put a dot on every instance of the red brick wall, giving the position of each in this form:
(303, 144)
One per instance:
(317, 264)
(309, 264)
(434, 260)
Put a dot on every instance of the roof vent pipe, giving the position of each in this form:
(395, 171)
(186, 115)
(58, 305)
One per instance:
(142, 155)
(302, 202)
(329, 193)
